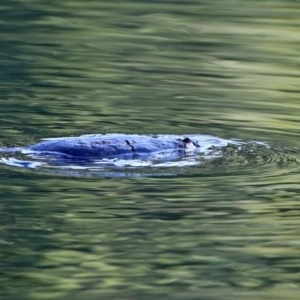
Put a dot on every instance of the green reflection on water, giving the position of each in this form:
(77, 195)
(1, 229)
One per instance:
(162, 67)
(147, 236)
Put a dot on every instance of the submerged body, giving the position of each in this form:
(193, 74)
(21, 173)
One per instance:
(123, 146)
(120, 154)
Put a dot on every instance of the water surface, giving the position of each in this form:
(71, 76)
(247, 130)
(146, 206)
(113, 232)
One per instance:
(224, 230)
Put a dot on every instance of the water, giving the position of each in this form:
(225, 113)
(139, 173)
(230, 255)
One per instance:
(227, 229)
(125, 155)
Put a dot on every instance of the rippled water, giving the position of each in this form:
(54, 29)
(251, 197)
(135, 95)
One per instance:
(221, 228)
(114, 155)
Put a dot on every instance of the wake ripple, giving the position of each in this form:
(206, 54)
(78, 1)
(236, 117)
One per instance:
(216, 156)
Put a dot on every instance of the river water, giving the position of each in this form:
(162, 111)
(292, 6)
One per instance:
(227, 229)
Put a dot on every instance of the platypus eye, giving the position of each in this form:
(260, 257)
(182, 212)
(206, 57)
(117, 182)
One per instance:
(187, 140)
(189, 144)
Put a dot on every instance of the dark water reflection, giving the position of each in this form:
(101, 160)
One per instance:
(224, 231)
